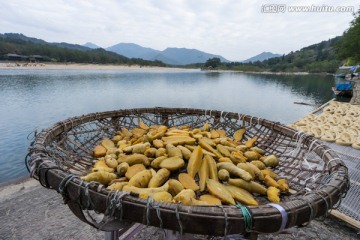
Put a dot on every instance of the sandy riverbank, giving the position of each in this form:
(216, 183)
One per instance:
(86, 66)
(81, 66)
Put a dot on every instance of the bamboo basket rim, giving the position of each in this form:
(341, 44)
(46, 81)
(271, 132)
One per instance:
(299, 211)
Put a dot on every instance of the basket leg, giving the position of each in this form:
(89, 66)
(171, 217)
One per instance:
(114, 235)
(126, 232)
(172, 235)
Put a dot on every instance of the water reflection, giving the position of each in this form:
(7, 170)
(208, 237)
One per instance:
(39, 98)
(316, 87)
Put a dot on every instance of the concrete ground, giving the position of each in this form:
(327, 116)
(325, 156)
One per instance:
(356, 93)
(29, 211)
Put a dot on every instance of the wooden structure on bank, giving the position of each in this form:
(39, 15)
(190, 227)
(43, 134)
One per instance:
(316, 174)
(16, 57)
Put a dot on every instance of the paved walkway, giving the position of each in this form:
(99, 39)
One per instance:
(29, 211)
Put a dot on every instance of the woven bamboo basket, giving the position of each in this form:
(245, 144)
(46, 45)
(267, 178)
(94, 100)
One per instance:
(317, 176)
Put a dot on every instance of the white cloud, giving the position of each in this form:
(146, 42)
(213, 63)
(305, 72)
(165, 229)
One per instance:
(235, 29)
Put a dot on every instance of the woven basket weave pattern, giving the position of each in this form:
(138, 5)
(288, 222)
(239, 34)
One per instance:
(314, 171)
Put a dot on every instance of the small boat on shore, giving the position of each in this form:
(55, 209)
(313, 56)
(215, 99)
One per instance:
(343, 89)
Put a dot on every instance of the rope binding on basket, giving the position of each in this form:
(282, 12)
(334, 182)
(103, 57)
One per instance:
(32, 139)
(342, 174)
(312, 214)
(150, 203)
(328, 208)
(243, 120)
(114, 201)
(247, 216)
(147, 211)
(158, 213)
(88, 203)
(240, 120)
(36, 172)
(226, 229)
(118, 204)
(177, 214)
(63, 185)
(223, 117)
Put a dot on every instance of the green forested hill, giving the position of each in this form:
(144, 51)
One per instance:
(63, 52)
(319, 57)
(325, 56)
(349, 47)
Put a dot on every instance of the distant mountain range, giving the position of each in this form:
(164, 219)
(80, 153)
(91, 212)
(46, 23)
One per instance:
(175, 56)
(172, 56)
(91, 45)
(17, 47)
(261, 57)
(19, 36)
(132, 50)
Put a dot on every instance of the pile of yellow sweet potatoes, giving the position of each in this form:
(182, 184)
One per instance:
(200, 166)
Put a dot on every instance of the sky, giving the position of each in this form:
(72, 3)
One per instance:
(234, 29)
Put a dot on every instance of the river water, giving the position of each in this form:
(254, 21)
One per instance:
(36, 99)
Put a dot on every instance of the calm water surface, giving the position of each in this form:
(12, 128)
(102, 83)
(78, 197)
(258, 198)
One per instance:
(36, 99)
